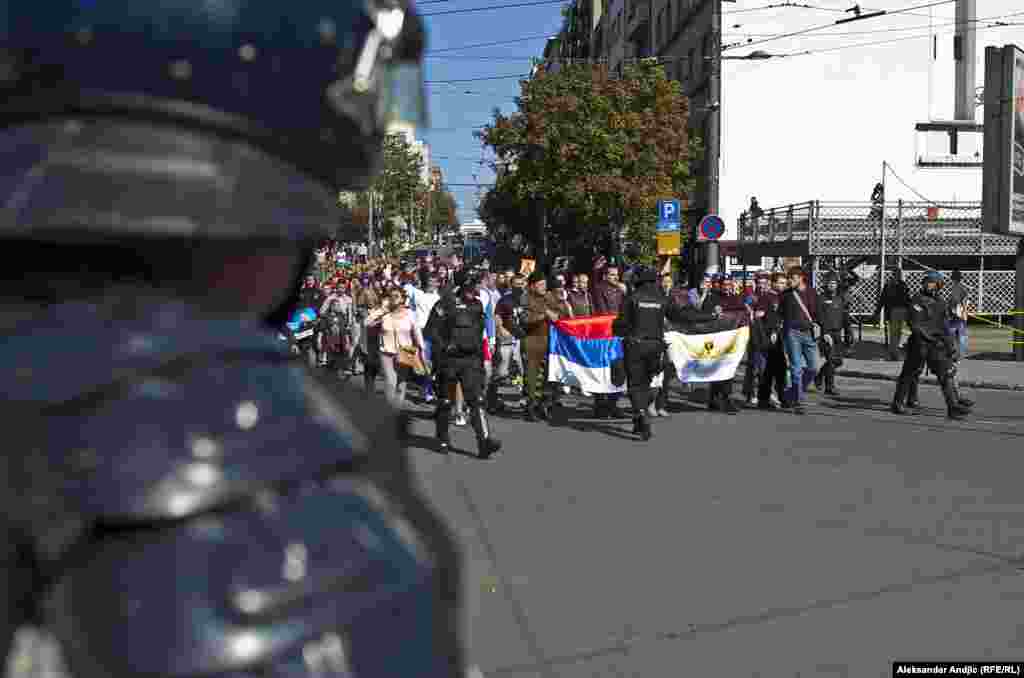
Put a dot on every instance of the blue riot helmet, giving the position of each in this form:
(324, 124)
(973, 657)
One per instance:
(304, 315)
(195, 147)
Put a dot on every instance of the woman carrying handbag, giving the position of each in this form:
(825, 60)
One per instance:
(401, 347)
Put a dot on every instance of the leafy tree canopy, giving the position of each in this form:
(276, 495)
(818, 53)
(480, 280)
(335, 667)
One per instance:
(592, 145)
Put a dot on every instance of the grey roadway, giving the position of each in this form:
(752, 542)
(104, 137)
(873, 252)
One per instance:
(764, 544)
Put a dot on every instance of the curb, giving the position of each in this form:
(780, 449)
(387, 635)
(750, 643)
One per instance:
(932, 381)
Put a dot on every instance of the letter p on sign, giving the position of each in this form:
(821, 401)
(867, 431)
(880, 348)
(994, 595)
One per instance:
(668, 210)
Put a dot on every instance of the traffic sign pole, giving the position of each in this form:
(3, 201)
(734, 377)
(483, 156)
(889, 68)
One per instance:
(710, 229)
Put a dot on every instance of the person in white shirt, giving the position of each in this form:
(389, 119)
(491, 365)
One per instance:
(489, 298)
(423, 303)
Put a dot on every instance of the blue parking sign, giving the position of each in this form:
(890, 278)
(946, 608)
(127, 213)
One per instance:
(668, 210)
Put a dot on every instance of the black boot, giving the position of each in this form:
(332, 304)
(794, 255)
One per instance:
(533, 412)
(486, 445)
(912, 400)
(642, 427)
(728, 406)
(961, 399)
(830, 384)
(954, 410)
(494, 404)
(900, 397)
(442, 420)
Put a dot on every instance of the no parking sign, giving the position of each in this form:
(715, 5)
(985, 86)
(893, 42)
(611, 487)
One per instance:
(711, 228)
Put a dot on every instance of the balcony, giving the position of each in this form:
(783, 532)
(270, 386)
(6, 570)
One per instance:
(638, 21)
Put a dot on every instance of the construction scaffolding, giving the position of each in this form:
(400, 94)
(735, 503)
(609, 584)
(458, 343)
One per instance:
(913, 237)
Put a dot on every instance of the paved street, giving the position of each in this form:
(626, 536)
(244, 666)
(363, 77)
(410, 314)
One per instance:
(765, 544)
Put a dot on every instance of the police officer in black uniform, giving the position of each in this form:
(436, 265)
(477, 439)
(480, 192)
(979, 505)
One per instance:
(456, 332)
(641, 324)
(180, 497)
(930, 344)
(832, 316)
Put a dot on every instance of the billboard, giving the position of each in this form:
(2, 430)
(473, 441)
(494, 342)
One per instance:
(1003, 185)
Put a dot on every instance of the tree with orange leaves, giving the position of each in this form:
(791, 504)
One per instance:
(601, 146)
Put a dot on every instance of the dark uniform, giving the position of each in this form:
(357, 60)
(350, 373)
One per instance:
(931, 345)
(178, 497)
(641, 324)
(832, 317)
(456, 330)
(766, 338)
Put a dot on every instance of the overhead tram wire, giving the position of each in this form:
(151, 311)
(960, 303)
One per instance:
(516, 5)
(906, 38)
(915, 27)
(489, 77)
(494, 43)
(814, 50)
(994, 18)
(821, 27)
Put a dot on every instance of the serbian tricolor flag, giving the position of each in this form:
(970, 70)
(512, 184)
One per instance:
(581, 352)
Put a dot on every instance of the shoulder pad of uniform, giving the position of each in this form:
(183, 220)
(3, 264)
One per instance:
(179, 432)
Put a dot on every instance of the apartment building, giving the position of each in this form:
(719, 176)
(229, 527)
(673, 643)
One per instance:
(682, 35)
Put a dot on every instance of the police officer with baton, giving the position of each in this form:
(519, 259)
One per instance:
(930, 344)
(456, 333)
(641, 324)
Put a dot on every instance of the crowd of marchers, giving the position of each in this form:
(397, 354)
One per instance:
(374, 320)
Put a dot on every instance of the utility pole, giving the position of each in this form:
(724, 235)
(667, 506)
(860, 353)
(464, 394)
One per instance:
(714, 140)
(965, 54)
(369, 221)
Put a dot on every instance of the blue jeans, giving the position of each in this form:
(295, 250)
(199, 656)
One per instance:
(802, 352)
(958, 330)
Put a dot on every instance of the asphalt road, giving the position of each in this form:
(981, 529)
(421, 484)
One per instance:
(764, 544)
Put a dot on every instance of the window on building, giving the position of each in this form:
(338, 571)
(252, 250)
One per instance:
(670, 27)
(708, 45)
(691, 63)
(657, 29)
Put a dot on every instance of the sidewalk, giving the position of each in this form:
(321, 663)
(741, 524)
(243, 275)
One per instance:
(990, 374)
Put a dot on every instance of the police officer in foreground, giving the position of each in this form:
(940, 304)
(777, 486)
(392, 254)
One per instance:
(456, 333)
(641, 324)
(161, 205)
(930, 344)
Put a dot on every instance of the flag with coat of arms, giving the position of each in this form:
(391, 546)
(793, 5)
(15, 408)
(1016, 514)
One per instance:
(583, 352)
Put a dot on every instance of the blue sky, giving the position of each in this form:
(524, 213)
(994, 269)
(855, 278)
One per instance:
(458, 107)
(859, 89)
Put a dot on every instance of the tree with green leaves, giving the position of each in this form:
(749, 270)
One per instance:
(597, 149)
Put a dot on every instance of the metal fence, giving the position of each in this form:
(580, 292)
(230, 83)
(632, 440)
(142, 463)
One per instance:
(853, 229)
(988, 292)
(899, 231)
